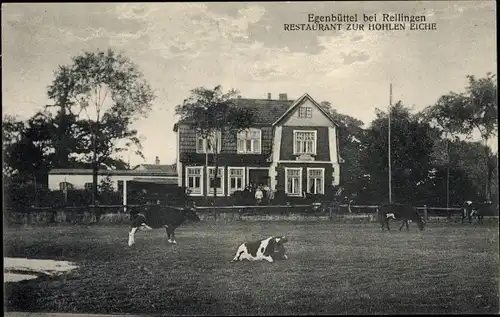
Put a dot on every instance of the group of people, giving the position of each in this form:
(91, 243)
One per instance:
(262, 193)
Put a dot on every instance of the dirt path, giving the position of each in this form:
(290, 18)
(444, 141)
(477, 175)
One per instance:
(19, 269)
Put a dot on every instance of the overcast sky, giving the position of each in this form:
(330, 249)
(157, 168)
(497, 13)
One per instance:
(244, 46)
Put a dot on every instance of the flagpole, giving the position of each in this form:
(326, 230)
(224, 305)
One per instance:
(389, 144)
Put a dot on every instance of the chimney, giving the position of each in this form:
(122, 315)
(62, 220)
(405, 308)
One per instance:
(239, 96)
(268, 96)
(157, 161)
(283, 97)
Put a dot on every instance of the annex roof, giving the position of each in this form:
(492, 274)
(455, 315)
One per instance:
(134, 172)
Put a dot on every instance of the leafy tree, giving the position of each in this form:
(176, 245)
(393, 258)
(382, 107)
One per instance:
(482, 116)
(411, 146)
(351, 133)
(474, 110)
(110, 93)
(12, 132)
(209, 112)
(60, 91)
(444, 117)
(27, 152)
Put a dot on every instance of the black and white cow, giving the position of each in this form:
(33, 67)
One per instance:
(269, 249)
(398, 212)
(158, 216)
(471, 210)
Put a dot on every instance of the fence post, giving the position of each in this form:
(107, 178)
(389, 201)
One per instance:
(28, 220)
(425, 213)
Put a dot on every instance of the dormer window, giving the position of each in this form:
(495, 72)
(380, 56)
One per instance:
(249, 141)
(305, 112)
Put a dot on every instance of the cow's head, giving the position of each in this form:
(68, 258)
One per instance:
(280, 240)
(190, 214)
(279, 247)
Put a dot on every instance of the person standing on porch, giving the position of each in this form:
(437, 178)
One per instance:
(259, 195)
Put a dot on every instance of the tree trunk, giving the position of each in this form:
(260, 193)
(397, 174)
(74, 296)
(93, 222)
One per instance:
(62, 152)
(447, 173)
(488, 171)
(95, 171)
(216, 175)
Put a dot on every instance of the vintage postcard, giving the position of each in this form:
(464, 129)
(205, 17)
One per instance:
(263, 158)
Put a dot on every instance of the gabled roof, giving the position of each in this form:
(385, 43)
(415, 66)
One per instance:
(298, 102)
(266, 111)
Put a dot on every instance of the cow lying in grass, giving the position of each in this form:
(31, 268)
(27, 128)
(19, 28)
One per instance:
(270, 249)
(398, 212)
(158, 216)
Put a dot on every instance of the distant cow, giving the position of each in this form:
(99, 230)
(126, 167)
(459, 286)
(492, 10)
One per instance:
(398, 212)
(270, 249)
(158, 216)
(471, 210)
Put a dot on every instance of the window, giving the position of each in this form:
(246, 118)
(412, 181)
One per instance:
(220, 176)
(249, 141)
(193, 180)
(207, 145)
(89, 186)
(236, 179)
(305, 112)
(65, 186)
(293, 178)
(316, 180)
(304, 142)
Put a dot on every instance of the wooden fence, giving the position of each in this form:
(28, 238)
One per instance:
(81, 214)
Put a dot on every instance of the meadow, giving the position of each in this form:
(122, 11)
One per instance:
(333, 268)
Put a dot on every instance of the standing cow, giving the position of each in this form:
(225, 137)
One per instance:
(269, 249)
(470, 210)
(157, 216)
(398, 212)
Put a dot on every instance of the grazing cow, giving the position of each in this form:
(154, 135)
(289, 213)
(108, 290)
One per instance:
(270, 249)
(470, 211)
(157, 216)
(401, 212)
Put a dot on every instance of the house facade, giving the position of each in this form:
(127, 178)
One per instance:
(292, 146)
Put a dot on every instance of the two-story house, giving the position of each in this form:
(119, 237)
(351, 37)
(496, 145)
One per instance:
(292, 145)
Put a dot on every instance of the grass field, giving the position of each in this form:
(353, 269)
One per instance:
(332, 269)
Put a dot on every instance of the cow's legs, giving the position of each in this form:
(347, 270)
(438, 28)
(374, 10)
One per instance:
(173, 236)
(405, 222)
(131, 236)
(169, 233)
(402, 224)
(268, 258)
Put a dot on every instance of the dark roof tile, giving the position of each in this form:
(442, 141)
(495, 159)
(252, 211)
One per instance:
(266, 111)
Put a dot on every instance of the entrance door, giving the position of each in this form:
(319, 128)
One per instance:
(258, 176)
